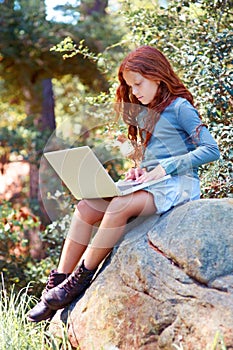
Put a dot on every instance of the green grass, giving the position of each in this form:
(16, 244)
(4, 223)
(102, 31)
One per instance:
(17, 333)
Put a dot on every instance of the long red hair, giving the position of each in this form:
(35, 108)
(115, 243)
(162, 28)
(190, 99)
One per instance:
(153, 65)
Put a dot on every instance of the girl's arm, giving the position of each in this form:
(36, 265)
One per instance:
(206, 148)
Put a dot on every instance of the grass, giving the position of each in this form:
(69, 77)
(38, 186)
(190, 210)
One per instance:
(218, 344)
(16, 332)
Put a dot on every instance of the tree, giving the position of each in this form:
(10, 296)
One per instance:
(27, 66)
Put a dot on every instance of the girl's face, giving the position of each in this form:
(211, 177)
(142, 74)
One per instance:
(142, 88)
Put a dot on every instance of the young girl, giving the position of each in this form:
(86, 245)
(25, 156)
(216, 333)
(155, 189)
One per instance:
(174, 141)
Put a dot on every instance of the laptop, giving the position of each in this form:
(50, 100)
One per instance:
(85, 176)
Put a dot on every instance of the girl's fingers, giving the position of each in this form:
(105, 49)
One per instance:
(130, 175)
(138, 172)
(133, 174)
(154, 174)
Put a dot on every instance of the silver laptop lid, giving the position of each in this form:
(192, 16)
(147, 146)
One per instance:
(82, 173)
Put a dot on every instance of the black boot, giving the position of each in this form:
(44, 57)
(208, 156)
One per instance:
(70, 289)
(41, 311)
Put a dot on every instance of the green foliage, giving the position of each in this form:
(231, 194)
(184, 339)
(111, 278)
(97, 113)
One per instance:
(68, 45)
(14, 243)
(54, 236)
(105, 60)
(17, 265)
(25, 55)
(24, 141)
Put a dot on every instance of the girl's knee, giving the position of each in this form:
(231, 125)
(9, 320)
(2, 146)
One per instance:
(119, 206)
(83, 208)
(81, 205)
(87, 210)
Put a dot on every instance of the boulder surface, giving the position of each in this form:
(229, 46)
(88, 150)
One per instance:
(167, 285)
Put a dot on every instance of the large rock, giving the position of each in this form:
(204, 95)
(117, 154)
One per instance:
(169, 284)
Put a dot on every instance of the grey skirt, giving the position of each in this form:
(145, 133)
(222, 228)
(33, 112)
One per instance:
(174, 191)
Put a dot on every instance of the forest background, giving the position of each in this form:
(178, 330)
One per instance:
(57, 79)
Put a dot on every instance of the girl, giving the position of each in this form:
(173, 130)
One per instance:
(174, 142)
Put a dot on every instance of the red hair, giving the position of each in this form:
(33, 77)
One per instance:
(153, 65)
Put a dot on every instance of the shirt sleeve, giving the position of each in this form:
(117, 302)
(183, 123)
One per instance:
(206, 148)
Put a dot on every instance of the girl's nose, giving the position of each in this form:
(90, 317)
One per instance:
(134, 90)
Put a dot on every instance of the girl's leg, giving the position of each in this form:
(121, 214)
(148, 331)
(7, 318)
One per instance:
(113, 224)
(87, 213)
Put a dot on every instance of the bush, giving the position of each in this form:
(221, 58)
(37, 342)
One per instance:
(18, 266)
(14, 243)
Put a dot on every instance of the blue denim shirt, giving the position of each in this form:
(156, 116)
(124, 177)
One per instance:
(175, 143)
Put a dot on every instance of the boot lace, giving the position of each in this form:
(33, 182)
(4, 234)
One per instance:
(81, 277)
(54, 279)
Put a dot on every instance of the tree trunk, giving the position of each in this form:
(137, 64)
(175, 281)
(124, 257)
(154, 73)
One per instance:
(90, 7)
(48, 115)
(39, 108)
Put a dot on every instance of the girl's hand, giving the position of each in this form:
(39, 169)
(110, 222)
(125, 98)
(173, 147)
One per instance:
(154, 174)
(134, 174)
